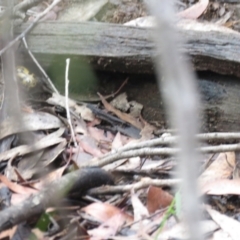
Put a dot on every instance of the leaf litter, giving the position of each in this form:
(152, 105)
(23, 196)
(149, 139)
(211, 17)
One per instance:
(138, 214)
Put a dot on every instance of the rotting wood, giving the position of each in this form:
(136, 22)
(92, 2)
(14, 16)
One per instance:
(129, 49)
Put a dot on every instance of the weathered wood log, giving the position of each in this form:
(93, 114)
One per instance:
(130, 49)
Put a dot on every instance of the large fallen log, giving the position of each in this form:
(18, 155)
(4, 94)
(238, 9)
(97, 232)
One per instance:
(130, 49)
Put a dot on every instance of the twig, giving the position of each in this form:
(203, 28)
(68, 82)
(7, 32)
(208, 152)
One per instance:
(166, 140)
(219, 136)
(145, 182)
(49, 82)
(66, 102)
(156, 151)
(118, 90)
(23, 34)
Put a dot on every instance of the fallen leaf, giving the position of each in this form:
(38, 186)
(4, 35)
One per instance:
(81, 157)
(32, 122)
(179, 231)
(195, 11)
(117, 142)
(222, 187)
(102, 212)
(28, 168)
(8, 233)
(139, 210)
(123, 116)
(229, 225)
(82, 10)
(220, 235)
(100, 135)
(89, 145)
(25, 149)
(109, 228)
(49, 178)
(221, 168)
(157, 199)
(16, 187)
(120, 102)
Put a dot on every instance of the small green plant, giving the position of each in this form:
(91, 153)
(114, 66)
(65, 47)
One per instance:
(173, 209)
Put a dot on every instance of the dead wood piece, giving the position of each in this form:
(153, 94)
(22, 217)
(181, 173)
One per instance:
(128, 49)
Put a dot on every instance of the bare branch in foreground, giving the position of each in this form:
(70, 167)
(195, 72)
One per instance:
(179, 90)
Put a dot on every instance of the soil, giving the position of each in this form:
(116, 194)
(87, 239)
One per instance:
(223, 12)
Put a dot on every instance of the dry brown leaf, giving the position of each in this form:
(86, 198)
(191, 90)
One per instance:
(221, 168)
(32, 122)
(89, 145)
(195, 11)
(102, 212)
(27, 168)
(25, 149)
(124, 116)
(49, 178)
(120, 102)
(100, 135)
(81, 157)
(220, 235)
(117, 142)
(157, 199)
(82, 10)
(16, 187)
(139, 210)
(179, 231)
(222, 187)
(8, 233)
(229, 225)
(109, 228)
(147, 132)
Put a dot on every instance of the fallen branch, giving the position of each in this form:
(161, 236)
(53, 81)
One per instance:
(167, 140)
(100, 162)
(144, 183)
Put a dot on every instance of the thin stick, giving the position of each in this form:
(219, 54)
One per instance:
(144, 183)
(66, 102)
(39, 66)
(168, 140)
(23, 34)
(156, 151)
